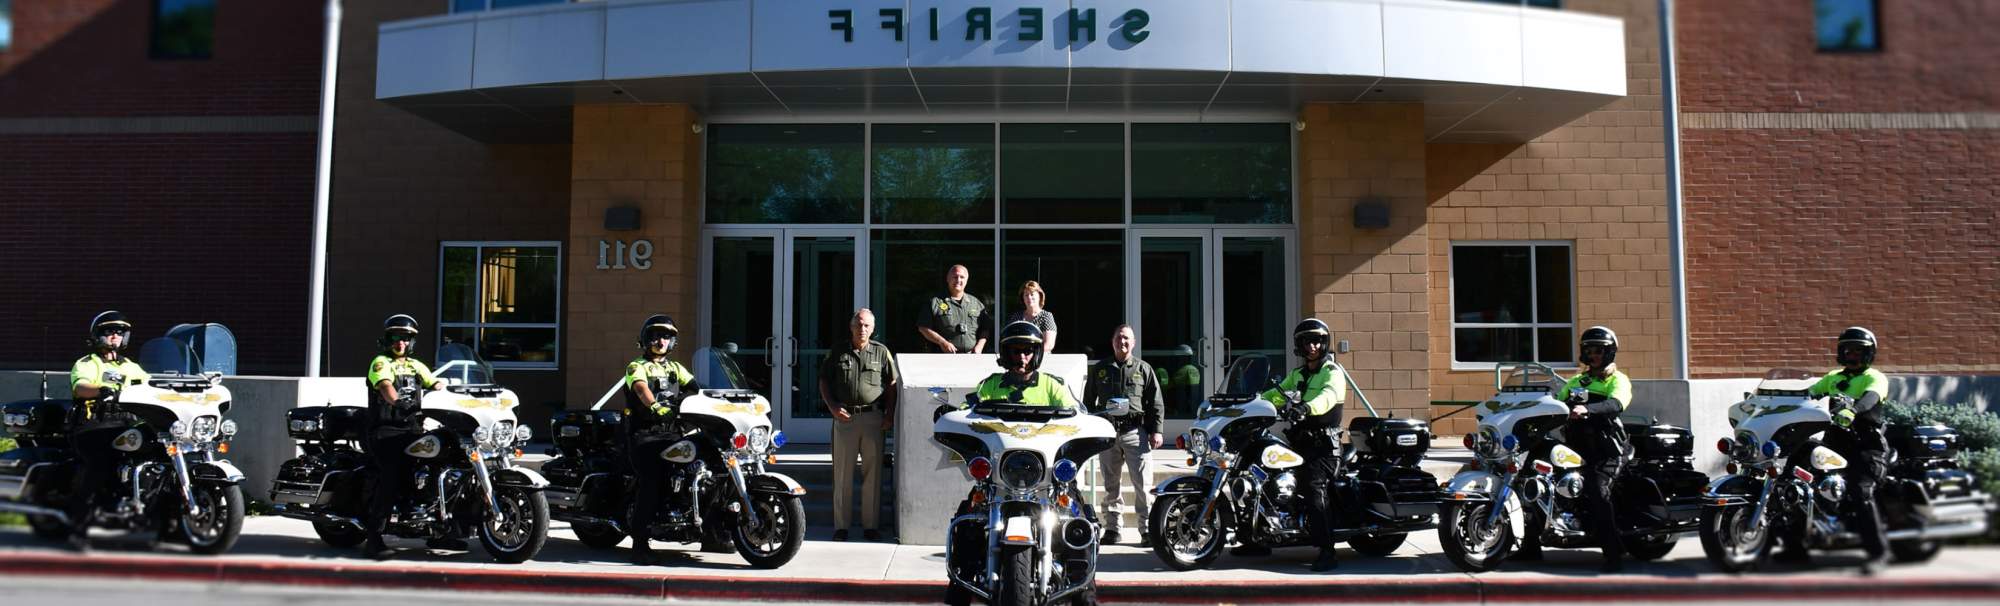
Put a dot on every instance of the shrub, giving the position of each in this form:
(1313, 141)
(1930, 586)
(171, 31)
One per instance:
(1979, 429)
(10, 519)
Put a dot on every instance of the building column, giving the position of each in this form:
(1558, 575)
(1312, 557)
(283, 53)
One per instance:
(646, 157)
(1369, 285)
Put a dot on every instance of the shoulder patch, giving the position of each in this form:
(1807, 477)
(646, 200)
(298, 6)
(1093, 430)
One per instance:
(378, 366)
(632, 369)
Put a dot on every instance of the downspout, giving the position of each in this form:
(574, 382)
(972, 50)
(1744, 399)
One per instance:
(1670, 111)
(322, 189)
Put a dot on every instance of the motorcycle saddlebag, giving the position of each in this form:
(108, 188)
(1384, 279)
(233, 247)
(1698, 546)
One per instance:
(586, 429)
(326, 423)
(1389, 436)
(317, 479)
(1924, 441)
(1660, 441)
(1398, 491)
(36, 417)
(17, 465)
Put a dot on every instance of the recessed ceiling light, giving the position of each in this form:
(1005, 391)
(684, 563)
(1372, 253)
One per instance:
(930, 131)
(1069, 130)
(791, 132)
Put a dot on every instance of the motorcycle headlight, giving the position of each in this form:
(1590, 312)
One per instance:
(179, 429)
(523, 434)
(206, 427)
(1022, 470)
(228, 428)
(759, 437)
(479, 435)
(1197, 442)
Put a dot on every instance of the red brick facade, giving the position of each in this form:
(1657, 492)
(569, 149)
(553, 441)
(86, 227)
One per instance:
(1937, 56)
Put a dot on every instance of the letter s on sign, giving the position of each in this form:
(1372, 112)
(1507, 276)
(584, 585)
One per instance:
(1135, 24)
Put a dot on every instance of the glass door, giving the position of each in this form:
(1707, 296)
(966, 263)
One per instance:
(1205, 297)
(780, 300)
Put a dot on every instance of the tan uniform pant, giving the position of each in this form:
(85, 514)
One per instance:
(1133, 454)
(861, 436)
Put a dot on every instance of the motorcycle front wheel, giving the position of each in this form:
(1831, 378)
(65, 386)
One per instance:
(780, 530)
(218, 523)
(522, 527)
(1182, 541)
(1730, 541)
(1470, 541)
(1017, 583)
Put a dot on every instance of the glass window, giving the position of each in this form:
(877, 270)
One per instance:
(784, 173)
(1512, 302)
(740, 301)
(466, 6)
(908, 267)
(183, 29)
(1082, 275)
(1211, 173)
(933, 173)
(503, 299)
(6, 24)
(1846, 25)
(1062, 173)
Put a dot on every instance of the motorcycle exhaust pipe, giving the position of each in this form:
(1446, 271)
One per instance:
(34, 510)
(1079, 534)
(1971, 528)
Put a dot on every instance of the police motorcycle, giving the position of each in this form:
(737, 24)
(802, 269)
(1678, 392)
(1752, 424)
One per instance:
(721, 490)
(169, 480)
(462, 472)
(1783, 482)
(1245, 492)
(1524, 479)
(1023, 536)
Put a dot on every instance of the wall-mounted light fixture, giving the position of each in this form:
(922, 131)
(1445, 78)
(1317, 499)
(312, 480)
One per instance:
(622, 218)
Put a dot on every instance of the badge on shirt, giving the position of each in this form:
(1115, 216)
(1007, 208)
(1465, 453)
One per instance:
(944, 306)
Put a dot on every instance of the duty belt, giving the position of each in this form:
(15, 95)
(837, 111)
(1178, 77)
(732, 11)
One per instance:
(852, 409)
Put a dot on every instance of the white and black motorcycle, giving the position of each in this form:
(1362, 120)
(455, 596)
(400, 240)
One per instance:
(169, 480)
(1023, 536)
(465, 481)
(1783, 482)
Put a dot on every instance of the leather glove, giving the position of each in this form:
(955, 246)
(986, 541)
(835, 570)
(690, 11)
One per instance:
(407, 403)
(1295, 413)
(107, 393)
(1844, 418)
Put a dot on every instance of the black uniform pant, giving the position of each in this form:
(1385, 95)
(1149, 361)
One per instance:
(1601, 515)
(100, 465)
(392, 483)
(650, 474)
(1316, 478)
(1869, 467)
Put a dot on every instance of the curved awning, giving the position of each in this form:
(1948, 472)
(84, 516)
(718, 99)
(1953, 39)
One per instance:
(1484, 72)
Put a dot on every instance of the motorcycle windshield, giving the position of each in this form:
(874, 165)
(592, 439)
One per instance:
(167, 356)
(1531, 377)
(716, 370)
(459, 363)
(1249, 375)
(1787, 382)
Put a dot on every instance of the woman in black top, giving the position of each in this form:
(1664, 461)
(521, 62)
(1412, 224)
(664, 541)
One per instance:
(1032, 298)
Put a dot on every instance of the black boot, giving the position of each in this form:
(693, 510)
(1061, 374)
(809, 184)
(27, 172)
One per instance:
(376, 549)
(1326, 560)
(642, 554)
(1250, 550)
(447, 544)
(1530, 551)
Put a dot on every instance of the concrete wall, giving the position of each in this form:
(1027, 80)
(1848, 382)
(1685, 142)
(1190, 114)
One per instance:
(929, 484)
(1981, 391)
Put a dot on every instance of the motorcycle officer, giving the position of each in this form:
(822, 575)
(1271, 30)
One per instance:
(95, 381)
(654, 387)
(1021, 354)
(1863, 442)
(1314, 433)
(394, 382)
(1596, 398)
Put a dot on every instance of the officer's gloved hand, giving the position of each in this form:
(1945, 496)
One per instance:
(406, 403)
(1844, 418)
(107, 393)
(1295, 413)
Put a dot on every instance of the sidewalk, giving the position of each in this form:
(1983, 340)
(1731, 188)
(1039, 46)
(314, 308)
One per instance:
(278, 550)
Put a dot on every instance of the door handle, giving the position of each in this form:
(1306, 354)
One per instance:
(1225, 352)
(793, 342)
(1203, 343)
(769, 343)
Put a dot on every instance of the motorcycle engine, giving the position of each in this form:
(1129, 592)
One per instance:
(1832, 489)
(1570, 486)
(1281, 488)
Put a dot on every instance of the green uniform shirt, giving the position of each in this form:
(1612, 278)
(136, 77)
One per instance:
(386, 368)
(859, 377)
(957, 320)
(1615, 386)
(1322, 391)
(1042, 389)
(642, 371)
(1859, 385)
(92, 368)
(1133, 380)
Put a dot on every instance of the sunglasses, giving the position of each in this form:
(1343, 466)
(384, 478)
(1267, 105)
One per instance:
(106, 333)
(401, 338)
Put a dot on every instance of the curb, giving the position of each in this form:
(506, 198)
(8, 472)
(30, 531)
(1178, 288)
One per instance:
(1458, 589)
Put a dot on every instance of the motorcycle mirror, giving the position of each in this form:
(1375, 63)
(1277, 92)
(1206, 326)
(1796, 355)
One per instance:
(1748, 395)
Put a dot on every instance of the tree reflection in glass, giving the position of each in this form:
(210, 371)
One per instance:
(1211, 173)
(784, 173)
(933, 173)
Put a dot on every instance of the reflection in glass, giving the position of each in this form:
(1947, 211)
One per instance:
(908, 269)
(461, 293)
(740, 302)
(1172, 286)
(1512, 303)
(515, 344)
(784, 173)
(1062, 173)
(933, 173)
(517, 288)
(1494, 344)
(1845, 24)
(1556, 344)
(822, 293)
(1211, 173)
(1552, 288)
(1082, 272)
(518, 285)
(1253, 298)
(1491, 285)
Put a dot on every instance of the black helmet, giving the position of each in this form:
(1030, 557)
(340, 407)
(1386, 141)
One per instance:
(1601, 337)
(107, 323)
(659, 323)
(399, 324)
(1018, 335)
(1311, 330)
(1862, 337)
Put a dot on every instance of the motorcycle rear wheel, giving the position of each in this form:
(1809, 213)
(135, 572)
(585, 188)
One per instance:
(597, 536)
(1651, 546)
(1730, 546)
(339, 535)
(1181, 542)
(780, 530)
(48, 528)
(1915, 550)
(522, 527)
(1376, 545)
(1470, 542)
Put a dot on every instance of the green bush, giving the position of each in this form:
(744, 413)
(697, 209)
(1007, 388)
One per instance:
(1979, 429)
(10, 519)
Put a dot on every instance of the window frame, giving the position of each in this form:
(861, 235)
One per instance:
(479, 247)
(1534, 302)
(1874, 21)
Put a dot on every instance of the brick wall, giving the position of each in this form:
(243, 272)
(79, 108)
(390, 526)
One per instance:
(1368, 284)
(1598, 183)
(647, 157)
(1937, 56)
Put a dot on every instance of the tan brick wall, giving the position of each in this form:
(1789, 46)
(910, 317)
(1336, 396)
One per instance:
(1368, 285)
(628, 155)
(1598, 183)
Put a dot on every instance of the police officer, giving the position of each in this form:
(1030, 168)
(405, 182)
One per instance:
(1021, 354)
(857, 384)
(952, 322)
(96, 419)
(1126, 376)
(1863, 441)
(654, 386)
(1314, 432)
(394, 380)
(1597, 396)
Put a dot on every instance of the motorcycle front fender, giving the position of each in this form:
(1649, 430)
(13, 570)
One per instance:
(516, 477)
(1732, 489)
(1472, 486)
(1183, 485)
(774, 483)
(215, 471)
